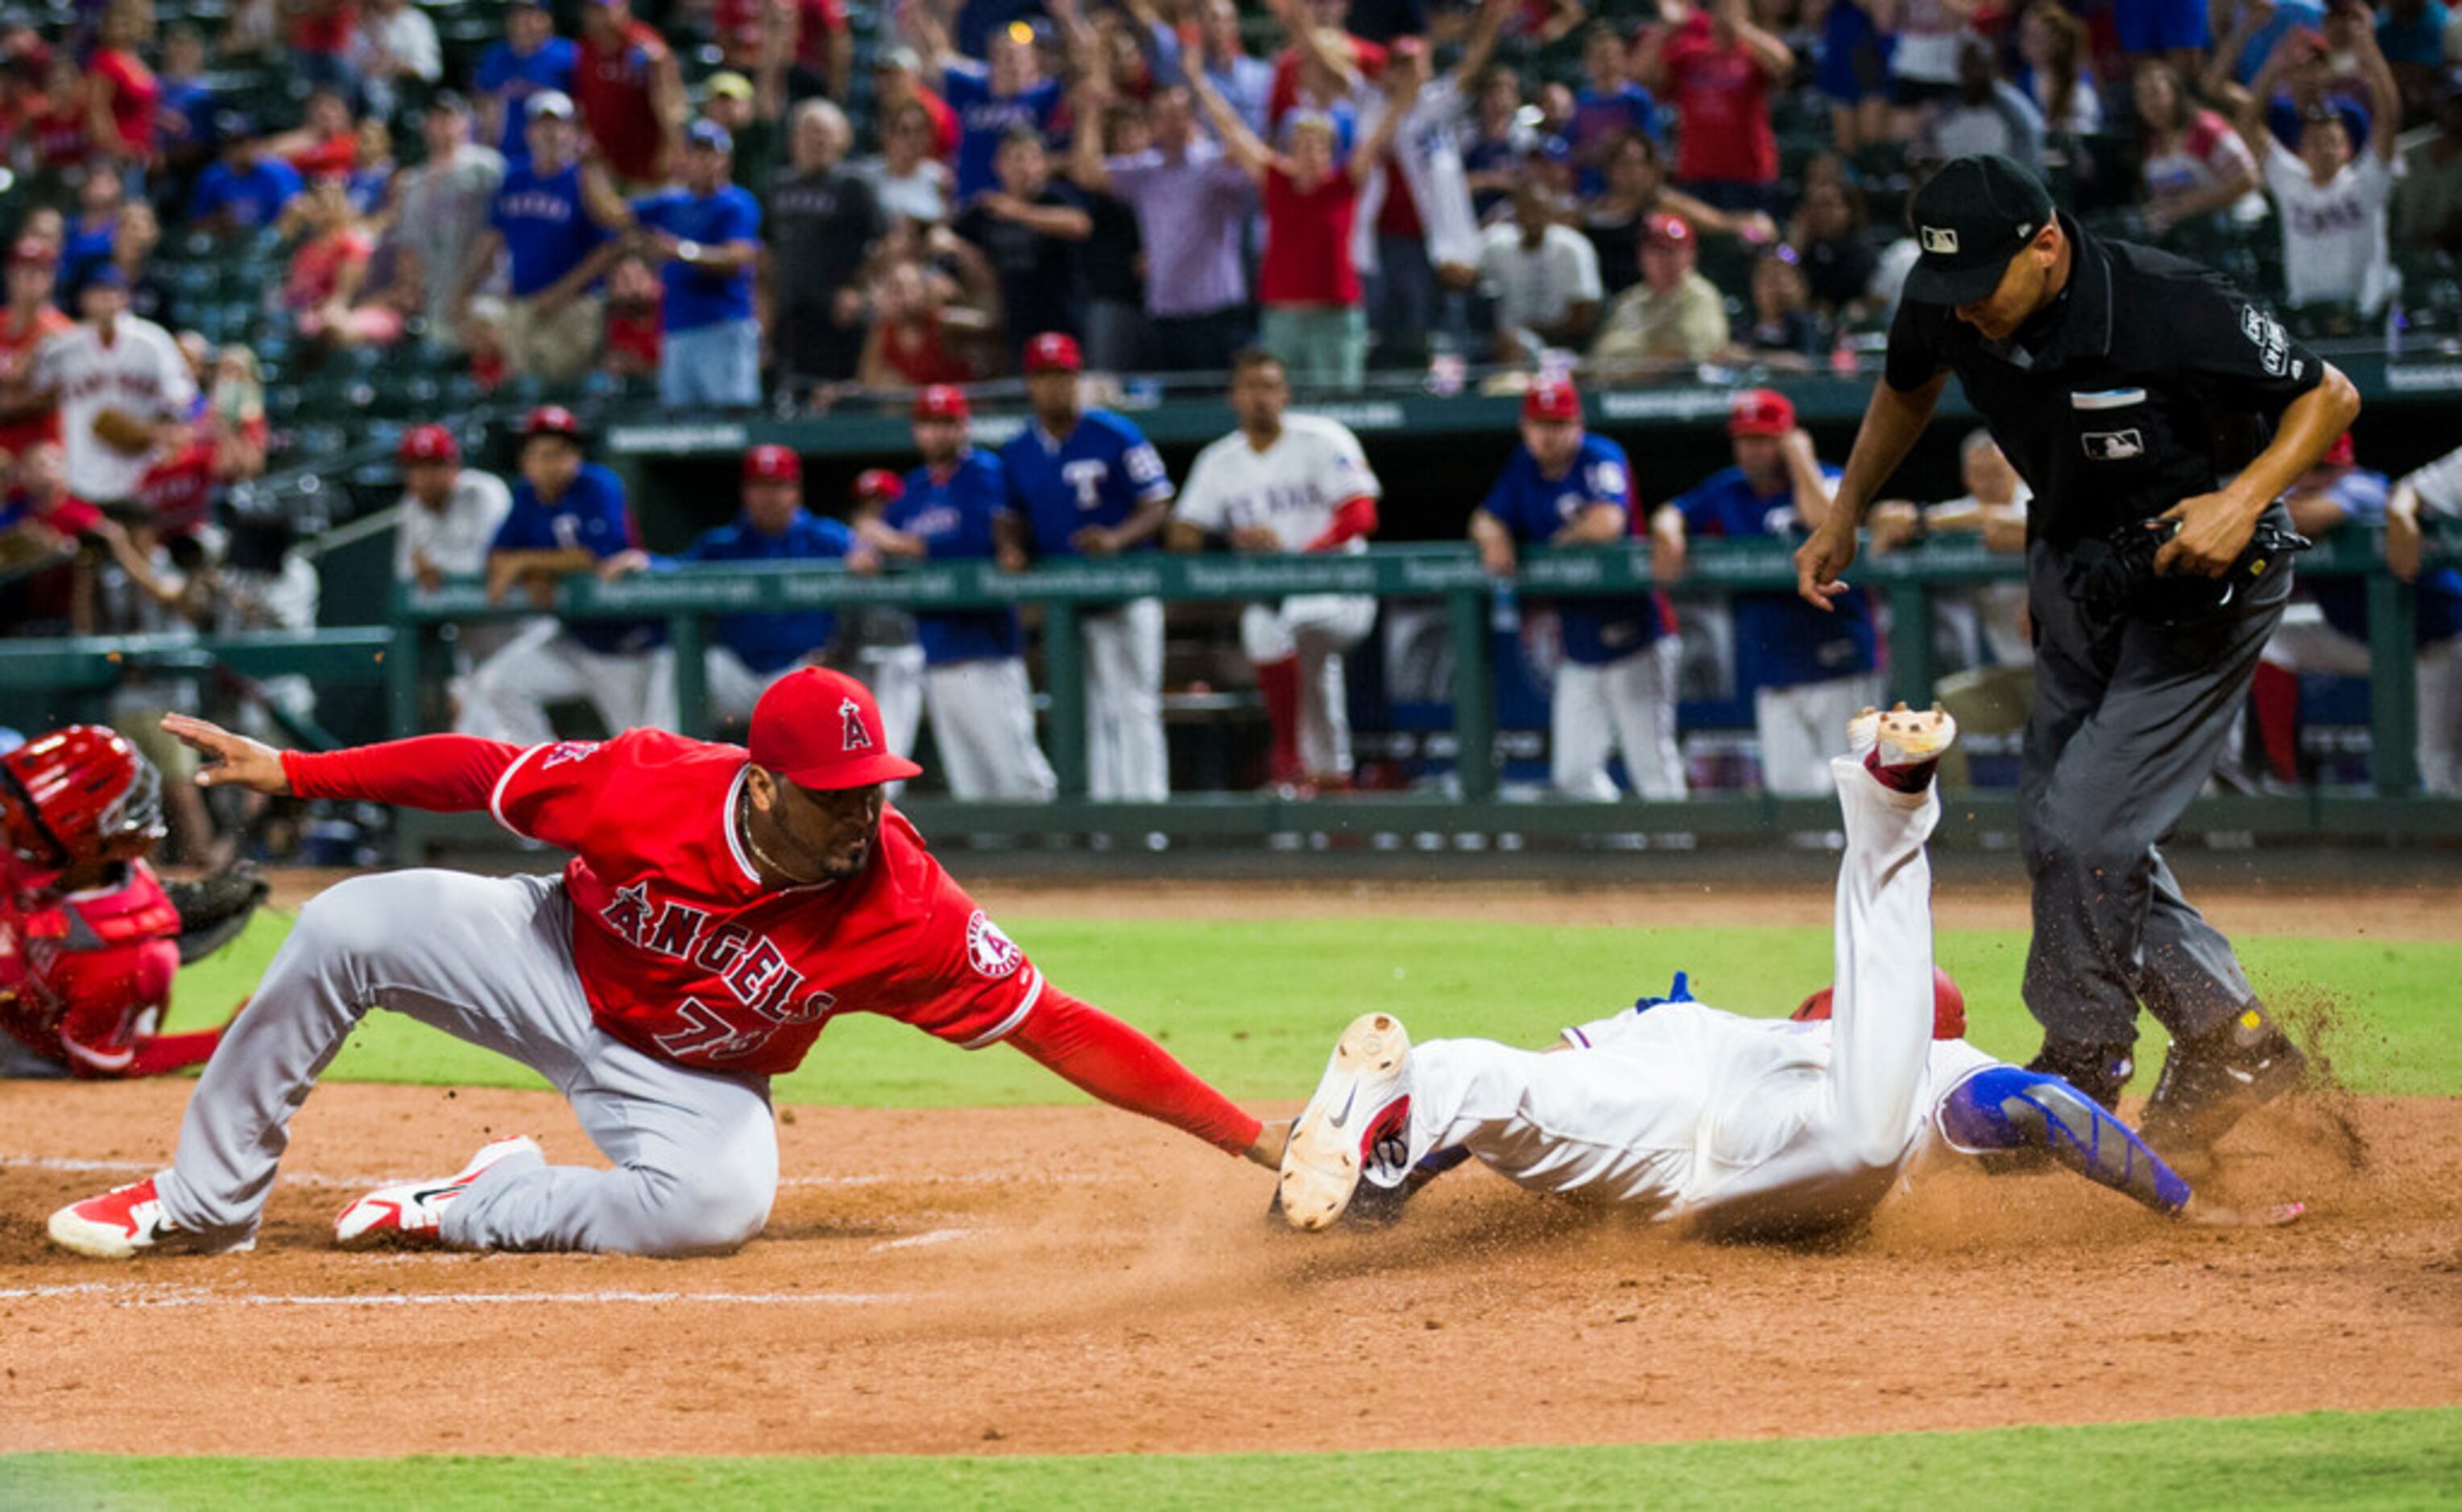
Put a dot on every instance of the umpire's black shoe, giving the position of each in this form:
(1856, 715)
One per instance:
(2211, 1081)
(2098, 1070)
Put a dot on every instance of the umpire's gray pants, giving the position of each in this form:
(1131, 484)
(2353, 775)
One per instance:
(2130, 719)
(487, 960)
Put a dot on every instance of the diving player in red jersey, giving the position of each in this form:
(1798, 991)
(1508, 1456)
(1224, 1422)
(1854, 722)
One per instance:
(721, 906)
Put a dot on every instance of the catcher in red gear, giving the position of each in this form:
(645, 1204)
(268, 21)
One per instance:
(89, 938)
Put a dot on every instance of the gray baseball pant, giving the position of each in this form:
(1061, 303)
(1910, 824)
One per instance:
(2130, 719)
(487, 960)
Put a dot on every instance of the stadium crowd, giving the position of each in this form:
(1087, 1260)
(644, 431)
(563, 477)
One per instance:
(744, 204)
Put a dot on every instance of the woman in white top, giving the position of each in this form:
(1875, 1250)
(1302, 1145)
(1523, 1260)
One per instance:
(906, 178)
(2331, 196)
(2195, 167)
(2055, 73)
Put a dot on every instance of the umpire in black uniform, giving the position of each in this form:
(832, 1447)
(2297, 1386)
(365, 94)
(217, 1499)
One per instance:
(2122, 383)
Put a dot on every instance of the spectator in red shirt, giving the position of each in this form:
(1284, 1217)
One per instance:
(1719, 70)
(896, 79)
(1307, 283)
(921, 335)
(631, 95)
(61, 129)
(326, 141)
(30, 319)
(634, 318)
(320, 35)
(121, 94)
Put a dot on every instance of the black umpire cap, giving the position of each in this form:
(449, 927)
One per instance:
(1975, 215)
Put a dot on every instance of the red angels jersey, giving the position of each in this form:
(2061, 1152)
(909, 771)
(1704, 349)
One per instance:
(83, 976)
(685, 953)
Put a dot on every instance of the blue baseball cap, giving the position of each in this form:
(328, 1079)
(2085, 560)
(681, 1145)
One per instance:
(711, 135)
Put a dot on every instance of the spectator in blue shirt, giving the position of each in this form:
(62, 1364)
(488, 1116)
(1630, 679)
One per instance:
(1608, 108)
(991, 99)
(1616, 683)
(568, 517)
(530, 59)
(1809, 673)
(975, 691)
(550, 222)
(707, 238)
(754, 650)
(247, 188)
(1085, 482)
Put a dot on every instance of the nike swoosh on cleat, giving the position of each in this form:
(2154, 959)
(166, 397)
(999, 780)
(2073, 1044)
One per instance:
(430, 1194)
(1338, 1120)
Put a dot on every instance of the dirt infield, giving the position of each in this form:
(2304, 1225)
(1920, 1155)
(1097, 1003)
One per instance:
(1064, 1280)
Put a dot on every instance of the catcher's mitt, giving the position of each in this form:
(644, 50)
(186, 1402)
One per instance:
(2115, 575)
(214, 909)
(115, 427)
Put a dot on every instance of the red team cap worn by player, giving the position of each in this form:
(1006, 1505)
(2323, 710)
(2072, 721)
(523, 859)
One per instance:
(551, 419)
(943, 401)
(773, 464)
(78, 795)
(821, 730)
(1054, 352)
(878, 484)
(1761, 412)
(1948, 1006)
(429, 443)
(1552, 399)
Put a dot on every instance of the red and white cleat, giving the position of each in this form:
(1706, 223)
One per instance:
(125, 1219)
(412, 1213)
(1362, 1102)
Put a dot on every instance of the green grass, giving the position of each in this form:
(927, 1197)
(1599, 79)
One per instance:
(1253, 1006)
(2343, 1460)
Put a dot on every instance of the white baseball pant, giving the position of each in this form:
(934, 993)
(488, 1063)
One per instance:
(982, 721)
(1802, 727)
(1126, 757)
(1749, 1126)
(2305, 642)
(509, 694)
(1629, 702)
(1317, 629)
(487, 960)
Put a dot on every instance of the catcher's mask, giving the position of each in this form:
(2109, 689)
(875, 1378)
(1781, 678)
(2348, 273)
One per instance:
(81, 795)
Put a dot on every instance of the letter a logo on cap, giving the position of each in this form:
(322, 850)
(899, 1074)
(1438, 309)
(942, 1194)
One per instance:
(855, 736)
(1942, 240)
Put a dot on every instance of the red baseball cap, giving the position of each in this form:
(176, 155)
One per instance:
(551, 419)
(879, 483)
(821, 729)
(1761, 412)
(1551, 399)
(1948, 1006)
(943, 401)
(773, 464)
(429, 443)
(2342, 454)
(32, 252)
(1666, 229)
(1054, 352)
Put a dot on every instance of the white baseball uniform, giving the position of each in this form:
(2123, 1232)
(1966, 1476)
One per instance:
(1747, 1125)
(454, 541)
(140, 369)
(1294, 488)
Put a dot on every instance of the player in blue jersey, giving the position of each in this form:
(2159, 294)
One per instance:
(569, 515)
(754, 650)
(1086, 483)
(1617, 685)
(1808, 672)
(975, 691)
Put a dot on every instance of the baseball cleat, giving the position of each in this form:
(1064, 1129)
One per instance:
(125, 1219)
(413, 1212)
(2213, 1081)
(1363, 1102)
(1900, 747)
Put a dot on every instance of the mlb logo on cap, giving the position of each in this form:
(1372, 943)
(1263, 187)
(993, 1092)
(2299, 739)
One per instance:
(1939, 238)
(773, 464)
(1053, 352)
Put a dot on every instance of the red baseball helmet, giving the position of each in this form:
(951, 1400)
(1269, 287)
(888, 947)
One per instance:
(82, 793)
(1948, 1006)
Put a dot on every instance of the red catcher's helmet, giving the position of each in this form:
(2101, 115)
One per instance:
(82, 793)
(1948, 1006)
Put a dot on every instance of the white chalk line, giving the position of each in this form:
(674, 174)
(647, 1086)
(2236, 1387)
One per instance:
(141, 1296)
(46, 1162)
